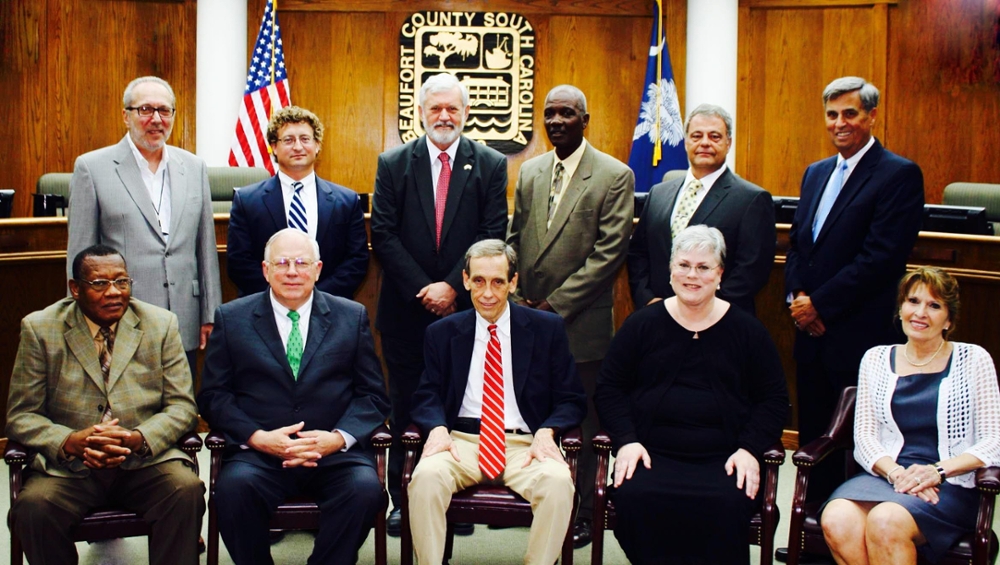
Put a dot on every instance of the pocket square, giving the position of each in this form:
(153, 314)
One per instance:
(468, 167)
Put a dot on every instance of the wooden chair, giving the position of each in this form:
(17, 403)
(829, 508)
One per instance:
(481, 504)
(100, 524)
(762, 526)
(805, 533)
(296, 513)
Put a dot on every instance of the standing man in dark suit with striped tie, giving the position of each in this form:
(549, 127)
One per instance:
(297, 198)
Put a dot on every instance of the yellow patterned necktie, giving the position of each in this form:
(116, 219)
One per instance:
(555, 189)
(685, 208)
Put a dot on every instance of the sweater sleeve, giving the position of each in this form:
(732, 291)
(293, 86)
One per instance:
(985, 406)
(867, 448)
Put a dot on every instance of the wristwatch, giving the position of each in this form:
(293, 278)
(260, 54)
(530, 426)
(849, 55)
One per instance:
(941, 471)
(143, 451)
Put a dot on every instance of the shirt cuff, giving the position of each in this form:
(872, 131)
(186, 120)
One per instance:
(349, 440)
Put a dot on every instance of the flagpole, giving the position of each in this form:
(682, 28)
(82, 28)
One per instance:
(657, 151)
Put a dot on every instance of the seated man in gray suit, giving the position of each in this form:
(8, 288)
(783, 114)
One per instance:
(712, 195)
(292, 380)
(100, 392)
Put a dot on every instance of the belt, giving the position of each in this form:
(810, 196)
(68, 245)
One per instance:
(471, 426)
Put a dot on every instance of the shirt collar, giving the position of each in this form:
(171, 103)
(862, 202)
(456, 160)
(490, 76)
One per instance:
(503, 322)
(707, 181)
(95, 328)
(573, 160)
(286, 181)
(452, 149)
(854, 159)
(141, 161)
(282, 310)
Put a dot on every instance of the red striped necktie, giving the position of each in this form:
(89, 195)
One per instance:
(492, 457)
(444, 178)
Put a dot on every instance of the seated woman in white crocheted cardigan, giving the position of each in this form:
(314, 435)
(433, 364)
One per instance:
(927, 416)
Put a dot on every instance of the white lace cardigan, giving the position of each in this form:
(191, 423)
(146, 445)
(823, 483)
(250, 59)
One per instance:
(968, 413)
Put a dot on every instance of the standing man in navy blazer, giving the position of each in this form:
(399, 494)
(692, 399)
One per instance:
(420, 232)
(292, 380)
(741, 210)
(542, 396)
(854, 228)
(296, 198)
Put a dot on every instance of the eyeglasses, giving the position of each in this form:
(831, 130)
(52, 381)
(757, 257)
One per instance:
(102, 285)
(685, 268)
(289, 141)
(282, 264)
(146, 111)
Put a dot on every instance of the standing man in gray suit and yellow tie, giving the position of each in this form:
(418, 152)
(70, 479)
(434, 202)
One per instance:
(152, 203)
(573, 210)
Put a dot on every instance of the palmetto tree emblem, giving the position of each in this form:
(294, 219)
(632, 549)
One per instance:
(671, 124)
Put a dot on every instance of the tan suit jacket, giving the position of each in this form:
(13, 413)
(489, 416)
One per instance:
(572, 264)
(57, 386)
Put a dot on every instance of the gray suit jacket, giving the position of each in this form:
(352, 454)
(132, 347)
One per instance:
(109, 204)
(741, 210)
(57, 387)
(572, 264)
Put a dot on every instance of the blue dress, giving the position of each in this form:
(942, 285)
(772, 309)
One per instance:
(914, 408)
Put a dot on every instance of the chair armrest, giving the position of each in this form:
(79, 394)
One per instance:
(381, 438)
(988, 480)
(775, 455)
(572, 440)
(215, 440)
(412, 436)
(601, 443)
(15, 453)
(190, 443)
(814, 452)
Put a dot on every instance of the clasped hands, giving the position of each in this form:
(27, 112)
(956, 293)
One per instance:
(103, 446)
(543, 445)
(438, 298)
(742, 462)
(304, 450)
(918, 480)
(805, 316)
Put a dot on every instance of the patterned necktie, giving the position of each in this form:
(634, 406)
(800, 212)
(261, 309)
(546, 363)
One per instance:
(107, 350)
(295, 346)
(685, 208)
(442, 196)
(492, 444)
(297, 211)
(555, 189)
(829, 197)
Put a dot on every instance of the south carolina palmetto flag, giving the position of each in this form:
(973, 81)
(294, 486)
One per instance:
(266, 91)
(658, 140)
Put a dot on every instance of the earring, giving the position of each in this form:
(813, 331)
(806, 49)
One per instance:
(718, 287)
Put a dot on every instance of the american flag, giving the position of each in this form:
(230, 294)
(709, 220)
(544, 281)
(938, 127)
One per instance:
(266, 91)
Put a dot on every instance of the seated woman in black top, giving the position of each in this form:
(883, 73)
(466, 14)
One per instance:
(691, 393)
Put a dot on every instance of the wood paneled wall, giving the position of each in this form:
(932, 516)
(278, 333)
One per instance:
(936, 62)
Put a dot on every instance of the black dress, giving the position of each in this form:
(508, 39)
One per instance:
(691, 402)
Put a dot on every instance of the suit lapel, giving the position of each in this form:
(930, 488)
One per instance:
(178, 190)
(522, 341)
(423, 181)
(320, 321)
(460, 173)
(576, 187)
(542, 181)
(264, 324)
(274, 201)
(712, 199)
(324, 207)
(128, 172)
(127, 338)
(461, 347)
(825, 170)
(81, 343)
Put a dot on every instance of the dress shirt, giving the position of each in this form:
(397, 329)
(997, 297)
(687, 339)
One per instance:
(157, 184)
(436, 161)
(707, 182)
(852, 163)
(569, 169)
(472, 402)
(284, 324)
(308, 196)
(95, 333)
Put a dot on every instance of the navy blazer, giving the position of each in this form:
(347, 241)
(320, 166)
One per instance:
(852, 270)
(741, 210)
(548, 390)
(403, 227)
(247, 383)
(258, 212)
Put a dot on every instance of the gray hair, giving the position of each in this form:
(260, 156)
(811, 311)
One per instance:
(574, 92)
(286, 231)
(713, 111)
(127, 97)
(440, 83)
(843, 85)
(700, 238)
(492, 248)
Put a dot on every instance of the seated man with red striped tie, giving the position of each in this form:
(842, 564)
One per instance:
(499, 386)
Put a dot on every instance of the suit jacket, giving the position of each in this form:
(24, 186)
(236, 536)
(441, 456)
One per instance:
(548, 390)
(57, 386)
(258, 212)
(247, 383)
(403, 227)
(572, 264)
(852, 269)
(109, 204)
(741, 210)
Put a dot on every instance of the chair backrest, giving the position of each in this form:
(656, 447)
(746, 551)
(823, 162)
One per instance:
(224, 180)
(674, 174)
(54, 183)
(976, 194)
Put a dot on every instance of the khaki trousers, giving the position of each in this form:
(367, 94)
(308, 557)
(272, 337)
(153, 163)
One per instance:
(547, 485)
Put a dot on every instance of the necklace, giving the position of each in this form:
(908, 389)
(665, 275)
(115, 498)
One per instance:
(925, 363)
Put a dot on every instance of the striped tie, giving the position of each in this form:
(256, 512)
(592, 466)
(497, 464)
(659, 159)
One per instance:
(492, 443)
(297, 211)
(107, 350)
(444, 179)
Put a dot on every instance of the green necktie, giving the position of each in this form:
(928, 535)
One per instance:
(295, 346)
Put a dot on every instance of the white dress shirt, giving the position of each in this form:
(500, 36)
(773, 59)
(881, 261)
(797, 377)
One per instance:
(472, 402)
(436, 161)
(570, 165)
(308, 196)
(157, 184)
(707, 182)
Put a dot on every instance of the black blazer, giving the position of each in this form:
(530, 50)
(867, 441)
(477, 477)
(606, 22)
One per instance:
(547, 387)
(852, 269)
(247, 384)
(741, 210)
(258, 212)
(403, 227)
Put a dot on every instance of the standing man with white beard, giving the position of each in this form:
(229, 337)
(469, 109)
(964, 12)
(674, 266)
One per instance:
(421, 228)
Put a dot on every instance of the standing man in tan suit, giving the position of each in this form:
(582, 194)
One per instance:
(573, 210)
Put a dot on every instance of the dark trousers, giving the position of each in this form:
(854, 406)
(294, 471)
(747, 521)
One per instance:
(586, 470)
(817, 390)
(168, 495)
(404, 360)
(349, 496)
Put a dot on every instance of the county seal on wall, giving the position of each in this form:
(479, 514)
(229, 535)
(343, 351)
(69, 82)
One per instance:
(491, 53)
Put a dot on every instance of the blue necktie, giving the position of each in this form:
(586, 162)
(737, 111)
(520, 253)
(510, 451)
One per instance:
(297, 211)
(829, 197)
